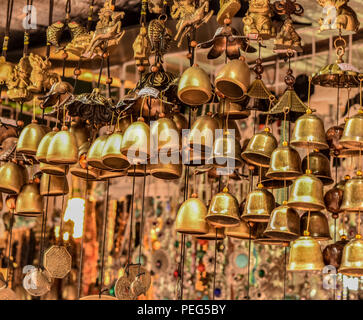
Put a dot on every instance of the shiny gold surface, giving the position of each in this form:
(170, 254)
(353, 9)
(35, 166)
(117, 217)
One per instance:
(94, 155)
(30, 138)
(57, 170)
(168, 171)
(306, 193)
(318, 225)
(319, 165)
(305, 255)
(57, 261)
(309, 133)
(83, 173)
(259, 205)
(258, 90)
(211, 234)
(353, 195)
(58, 185)
(166, 137)
(29, 201)
(11, 178)
(241, 232)
(139, 170)
(41, 154)
(194, 87)
(103, 175)
(111, 155)
(62, 149)
(352, 258)
(353, 132)
(80, 132)
(284, 224)
(234, 110)
(233, 79)
(285, 164)
(262, 239)
(190, 218)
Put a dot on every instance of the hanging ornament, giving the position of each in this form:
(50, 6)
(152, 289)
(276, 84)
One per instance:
(37, 282)
(57, 261)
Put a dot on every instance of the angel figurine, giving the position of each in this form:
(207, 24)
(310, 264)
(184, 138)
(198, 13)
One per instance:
(141, 47)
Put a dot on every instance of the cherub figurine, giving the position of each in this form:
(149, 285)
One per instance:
(257, 22)
(288, 38)
(337, 15)
(19, 81)
(141, 47)
(189, 16)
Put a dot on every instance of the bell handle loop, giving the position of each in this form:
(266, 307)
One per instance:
(340, 46)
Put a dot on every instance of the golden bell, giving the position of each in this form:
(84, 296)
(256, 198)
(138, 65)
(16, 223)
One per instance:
(260, 148)
(318, 225)
(29, 201)
(234, 110)
(306, 193)
(269, 183)
(223, 210)
(353, 194)
(166, 171)
(80, 172)
(62, 148)
(139, 170)
(166, 137)
(57, 185)
(202, 133)
(309, 132)
(261, 238)
(191, 215)
(11, 178)
(319, 165)
(80, 132)
(194, 87)
(30, 138)
(226, 152)
(352, 259)
(111, 155)
(104, 175)
(353, 132)
(211, 234)
(234, 79)
(41, 154)
(284, 224)
(285, 164)
(242, 231)
(56, 170)
(259, 205)
(136, 142)
(305, 255)
(94, 154)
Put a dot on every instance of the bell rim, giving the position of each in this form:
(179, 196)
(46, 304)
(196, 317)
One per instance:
(210, 236)
(206, 98)
(310, 145)
(275, 186)
(53, 172)
(61, 162)
(242, 87)
(299, 205)
(26, 151)
(115, 158)
(97, 164)
(27, 214)
(229, 221)
(270, 241)
(255, 218)
(189, 231)
(290, 236)
(351, 144)
(53, 194)
(351, 271)
(287, 175)
(265, 164)
(237, 235)
(9, 191)
(82, 174)
(165, 175)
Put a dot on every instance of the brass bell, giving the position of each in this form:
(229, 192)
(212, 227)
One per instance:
(260, 148)
(80, 132)
(56, 170)
(192, 157)
(352, 196)
(194, 87)
(30, 138)
(223, 210)
(269, 183)
(353, 132)
(111, 155)
(318, 225)
(104, 175)
(309, 132)
(11, 178)
(305, 255)
(234, 110)
(212, 234)
(233, 79)
(63, 148)
(284, 224)
(191, 215)
(285, 163)
(138, 170)
(81, 172)
(261, 238)
(94, 154)
(57, 185)
(136, 142)
(226, 152)
(319, 165)
(259, 205)
(202, 133)
(306, 193)
(166, 171)
(29, 201)
(352, 259)
(41, 154)
(242, 231)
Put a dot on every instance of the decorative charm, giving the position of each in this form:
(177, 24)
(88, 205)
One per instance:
(141, 47)
(57, 261)
(37, 282)
(160, 36)
(227, 10)
(6, 69)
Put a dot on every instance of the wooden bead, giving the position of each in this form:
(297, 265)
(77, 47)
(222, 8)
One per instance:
(154, 69)
(77, 72)
(64, 55)
(20, 123)
(109, 80)
(227, 21)
(189, 56)
(193, 43)
(141, 68)
(105, 55)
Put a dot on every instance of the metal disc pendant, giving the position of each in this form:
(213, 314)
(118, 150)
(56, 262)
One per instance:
(37, 282)
(122, 289)
(57, 261)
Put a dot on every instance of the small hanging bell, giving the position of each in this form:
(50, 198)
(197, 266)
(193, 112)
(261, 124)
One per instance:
(243, 231)
(30, 138)
(139, 170)
(352, 258)
(319, 165)
(262, 239)
(191, 215)
(352, 137)
(43, 146)
(212, 234)
(29, 202)
(223, 210)
(111, 155)
(234, 110)
(333, 136)
(352, 196)
(260, 148)
(94, 154)
(104, 175)
(333, 199)
(56, 170)
(318, 225)
(258, 90)
(53, 186)
(81, 172)
(166, 171)
(11, 178)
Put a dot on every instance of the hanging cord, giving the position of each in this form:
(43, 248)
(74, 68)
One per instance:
(90, 15)
(249, 260)
(50, 21)
(142, 219)
(131, 219)
(285, 271)
(215, 264)
(29, 4)
(62, 214)
(9, 266)
(9, 13)
(105, 214)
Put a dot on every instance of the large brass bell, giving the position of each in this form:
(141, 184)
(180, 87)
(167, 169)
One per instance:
(285, 163)
(191, 215)
(234, 109)
(11, 178)
(243, 231)
(261, 238)
(259, 205)
(136, 142)
(166, 171)
(284, 224)
(212, 234)
(63, 148)
(306, 193)
(309, 132)
(233, 79)
(269, 183)
(260, 148)
(30, 138)
(202, 133)
(319, 165)
(352, 259)
(111, 152)
(41, 154)
(53, 186)
(194, 87)
(94, 154)
(57, 170)
(223, 210)
(305, 255)
(353, 194)
(318, 225)
(353, 132)
(29, 201)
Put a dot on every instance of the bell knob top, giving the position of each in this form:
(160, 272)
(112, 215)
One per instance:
(309, 111)
(225, 189)
(64, 128)
(194, 195)
(34, 121)
(141, 119)
(306, 233)
(55, 129)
